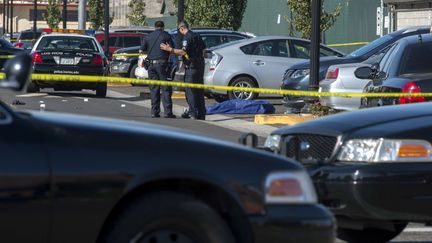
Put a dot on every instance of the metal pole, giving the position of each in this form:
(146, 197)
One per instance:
(82, 14)
(4, 17)
(11, 19)
(7, 17)
(34, 19)
(180, 17)
(64, 14)
(106, 25)
(315, 45)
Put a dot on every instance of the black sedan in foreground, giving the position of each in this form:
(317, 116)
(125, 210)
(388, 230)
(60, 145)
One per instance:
(372, 168)
(7, 49)
(405, 68)
(70, 179)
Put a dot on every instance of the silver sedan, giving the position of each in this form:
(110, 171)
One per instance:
(257, 62)
(341, 78)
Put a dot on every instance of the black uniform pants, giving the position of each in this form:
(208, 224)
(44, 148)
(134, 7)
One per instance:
(159, 72)
(195, 97)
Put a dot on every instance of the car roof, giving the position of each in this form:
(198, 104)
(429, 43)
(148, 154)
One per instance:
(66, 34)
(420, 38)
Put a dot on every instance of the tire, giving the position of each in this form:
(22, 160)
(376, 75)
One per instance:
(244, 82)
(101, 90)
(132, 72)
(370, 235)
(169, 217)
(32, 87)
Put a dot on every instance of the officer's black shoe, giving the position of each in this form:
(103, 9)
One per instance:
(155, 115)
(170, 116)
(185, 115)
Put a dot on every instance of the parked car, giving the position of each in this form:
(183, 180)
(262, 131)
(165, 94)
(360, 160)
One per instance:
(125, 66)
(7, 49)
(341, 79)
(118, 40)
(404, 69)
(371, 167)
(255, 63)
(66, 175)
(296, 77)
(71, 54)
(26, 38)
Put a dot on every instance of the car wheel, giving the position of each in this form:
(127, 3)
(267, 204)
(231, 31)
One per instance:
(169, 217)
(101, 90)
(242, 82)
(370, 235)
(32, 87)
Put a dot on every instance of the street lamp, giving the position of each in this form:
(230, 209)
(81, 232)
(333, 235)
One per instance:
(315, 45)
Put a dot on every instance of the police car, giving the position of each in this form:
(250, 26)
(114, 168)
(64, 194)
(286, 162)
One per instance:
(63, 52)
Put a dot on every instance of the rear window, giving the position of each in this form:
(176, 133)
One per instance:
(67, 43)
(131, 41)
(29, 35)
(416, 59)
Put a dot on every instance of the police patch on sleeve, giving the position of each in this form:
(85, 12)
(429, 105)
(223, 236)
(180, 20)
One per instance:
(185, 44)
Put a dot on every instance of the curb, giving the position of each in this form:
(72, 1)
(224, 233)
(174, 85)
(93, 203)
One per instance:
(289, 119)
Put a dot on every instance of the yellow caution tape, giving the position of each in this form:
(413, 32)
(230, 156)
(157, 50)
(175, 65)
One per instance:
(349, 44)
(128, 55)
(83, 78)
(6, 56)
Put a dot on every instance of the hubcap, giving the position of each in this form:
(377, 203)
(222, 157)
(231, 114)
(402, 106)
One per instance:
(242, 95)
(162, 236)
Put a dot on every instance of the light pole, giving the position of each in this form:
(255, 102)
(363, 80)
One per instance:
(4, 17)
(315, 45)
(34, 19)
(64, 14)
(11, 19)
(106, 25)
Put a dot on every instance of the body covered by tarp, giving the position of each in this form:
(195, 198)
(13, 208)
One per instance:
(241, 107)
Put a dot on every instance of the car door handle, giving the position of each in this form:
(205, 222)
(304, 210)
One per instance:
(259, 63)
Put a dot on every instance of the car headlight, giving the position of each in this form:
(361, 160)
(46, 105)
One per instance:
(300, 73)
(273, 142)
(385, 150)
(289, 188)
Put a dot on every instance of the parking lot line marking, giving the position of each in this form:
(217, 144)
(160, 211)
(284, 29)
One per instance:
(32, 95)
(422, 229)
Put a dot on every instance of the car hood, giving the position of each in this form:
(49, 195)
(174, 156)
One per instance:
(79, 130)
(350, 121)
(325, 62)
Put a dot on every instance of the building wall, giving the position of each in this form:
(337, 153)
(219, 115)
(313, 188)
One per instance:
(21, 18)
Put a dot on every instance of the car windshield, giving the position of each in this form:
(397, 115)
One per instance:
(374, 44)
(416, 59)
(67, 43)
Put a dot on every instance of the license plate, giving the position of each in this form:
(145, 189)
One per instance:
(67, 61)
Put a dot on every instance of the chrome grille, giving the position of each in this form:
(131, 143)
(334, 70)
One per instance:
(309, 148)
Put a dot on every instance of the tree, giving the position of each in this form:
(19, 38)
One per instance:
(215, 13)
(136, 15)
(96, 14)
(301, 11)
(53, 14)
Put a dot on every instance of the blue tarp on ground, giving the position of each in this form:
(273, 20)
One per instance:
(241, 107)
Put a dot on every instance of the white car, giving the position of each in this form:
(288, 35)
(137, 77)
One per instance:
(255, 63)
(340, 78)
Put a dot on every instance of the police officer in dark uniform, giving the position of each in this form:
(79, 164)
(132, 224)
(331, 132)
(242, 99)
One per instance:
(158, 69)
(193, 58)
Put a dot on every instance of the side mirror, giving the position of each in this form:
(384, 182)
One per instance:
(17, 72)
(363, 73)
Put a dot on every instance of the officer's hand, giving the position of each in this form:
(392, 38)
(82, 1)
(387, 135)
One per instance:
(165, 46)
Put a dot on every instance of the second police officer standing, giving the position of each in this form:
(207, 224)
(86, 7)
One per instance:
(158, 69)
(193, 58)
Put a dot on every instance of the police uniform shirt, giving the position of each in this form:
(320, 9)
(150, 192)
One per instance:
(194, 46)
(152, 42)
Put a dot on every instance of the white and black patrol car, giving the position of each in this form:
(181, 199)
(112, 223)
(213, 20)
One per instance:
(72, 54)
